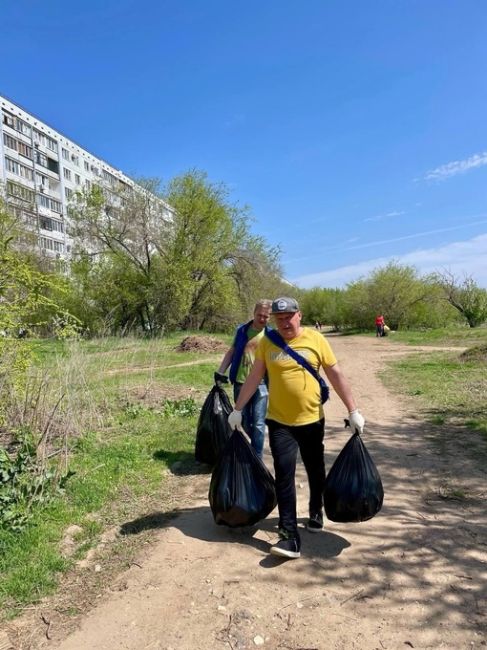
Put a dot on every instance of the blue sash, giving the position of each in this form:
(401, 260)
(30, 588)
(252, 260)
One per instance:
(276, 338)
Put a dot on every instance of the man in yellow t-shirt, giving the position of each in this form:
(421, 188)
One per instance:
(295, 416)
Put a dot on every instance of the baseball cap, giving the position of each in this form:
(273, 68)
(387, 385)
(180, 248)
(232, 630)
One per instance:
(284, 304)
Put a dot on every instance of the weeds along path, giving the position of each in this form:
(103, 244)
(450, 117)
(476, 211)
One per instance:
(414, 576)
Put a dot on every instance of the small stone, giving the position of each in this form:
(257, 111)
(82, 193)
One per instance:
(222, 608)
(258, 640)
(97, 568)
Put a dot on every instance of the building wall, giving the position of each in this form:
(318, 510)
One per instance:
(40, 170)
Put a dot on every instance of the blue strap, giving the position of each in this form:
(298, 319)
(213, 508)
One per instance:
(276, 338)
(239, 346)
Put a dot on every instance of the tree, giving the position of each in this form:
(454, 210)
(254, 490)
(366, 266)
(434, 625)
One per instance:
(213, 266)
(323, 305)
(465, 296)
(121, 234)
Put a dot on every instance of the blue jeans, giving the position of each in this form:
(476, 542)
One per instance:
(253, 415)
(284, 442)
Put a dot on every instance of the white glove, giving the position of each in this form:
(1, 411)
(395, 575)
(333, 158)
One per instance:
(235, 420)
(357, 421)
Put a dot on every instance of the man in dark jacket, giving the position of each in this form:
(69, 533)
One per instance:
(240, 358)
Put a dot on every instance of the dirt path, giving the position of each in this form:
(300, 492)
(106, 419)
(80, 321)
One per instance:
(414, 576)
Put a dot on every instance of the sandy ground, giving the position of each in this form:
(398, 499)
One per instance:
(414, 576)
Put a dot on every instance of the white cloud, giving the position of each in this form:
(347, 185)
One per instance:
(457, 167)
(460, 258)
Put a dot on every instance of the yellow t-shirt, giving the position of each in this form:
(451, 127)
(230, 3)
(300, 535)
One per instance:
(294, 394)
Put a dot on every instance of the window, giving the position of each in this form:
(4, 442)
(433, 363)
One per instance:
(19, 169)
(20, 192)
(75, 159)
(48, 163)
(51, 245)
(9, 142)
(45, 201)
(53, 165)
(42, 180)
(41, 158)
(46, 223)
(87, 166)
(9, 120)
(24, 150)
(22, 127)
(68, 193)
(26, 172)
(49, 203)
(11, 165)
(45, 140)
(77, 179)
(67, 173)
(65, 154)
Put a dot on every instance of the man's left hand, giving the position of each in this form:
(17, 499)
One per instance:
(357, 421)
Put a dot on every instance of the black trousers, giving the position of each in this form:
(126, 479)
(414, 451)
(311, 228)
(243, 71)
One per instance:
(284, 443)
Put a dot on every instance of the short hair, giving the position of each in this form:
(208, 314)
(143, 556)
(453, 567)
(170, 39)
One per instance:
(266, 304)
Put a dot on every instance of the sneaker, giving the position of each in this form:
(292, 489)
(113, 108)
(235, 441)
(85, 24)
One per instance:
(315, 523)
(287, 547)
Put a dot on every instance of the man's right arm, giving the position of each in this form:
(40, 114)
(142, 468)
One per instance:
(256, 375)
(226, 361)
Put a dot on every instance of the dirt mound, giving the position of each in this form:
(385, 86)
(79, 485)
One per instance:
(201, 344)
(477, 353)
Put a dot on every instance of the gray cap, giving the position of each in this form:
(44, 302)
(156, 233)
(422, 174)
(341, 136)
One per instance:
(284, 305)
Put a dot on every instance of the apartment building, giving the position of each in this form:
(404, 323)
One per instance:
(41, 169)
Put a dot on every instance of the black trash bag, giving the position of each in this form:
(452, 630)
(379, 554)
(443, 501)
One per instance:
(353, 487)
(213, 430)
(242, 490)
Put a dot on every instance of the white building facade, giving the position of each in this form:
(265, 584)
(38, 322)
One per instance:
(41, 169)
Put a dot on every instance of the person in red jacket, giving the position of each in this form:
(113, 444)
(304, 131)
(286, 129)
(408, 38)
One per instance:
(379, 325)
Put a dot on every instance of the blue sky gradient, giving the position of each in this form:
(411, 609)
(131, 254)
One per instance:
(355, 131)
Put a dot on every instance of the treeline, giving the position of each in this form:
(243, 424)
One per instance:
(407, 301)
(188, 260)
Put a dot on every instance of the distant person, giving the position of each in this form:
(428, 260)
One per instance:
(295, 415)
(379, 325)
(240, 357)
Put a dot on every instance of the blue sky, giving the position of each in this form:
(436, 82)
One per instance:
(355, 131)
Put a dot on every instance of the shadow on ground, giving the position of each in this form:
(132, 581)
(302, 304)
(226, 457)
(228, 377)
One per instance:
(198, 523)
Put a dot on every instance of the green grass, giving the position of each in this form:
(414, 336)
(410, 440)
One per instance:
(451, 336)
(115, 464)
(122, 442)
(450, 390)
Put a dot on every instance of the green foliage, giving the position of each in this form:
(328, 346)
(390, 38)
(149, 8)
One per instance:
(465, 296)
(213, 263)
(324, 305)
(137, 270)
(405, 299)
(185, 408)
(450, 386)
(25, 483)
(394, 291)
